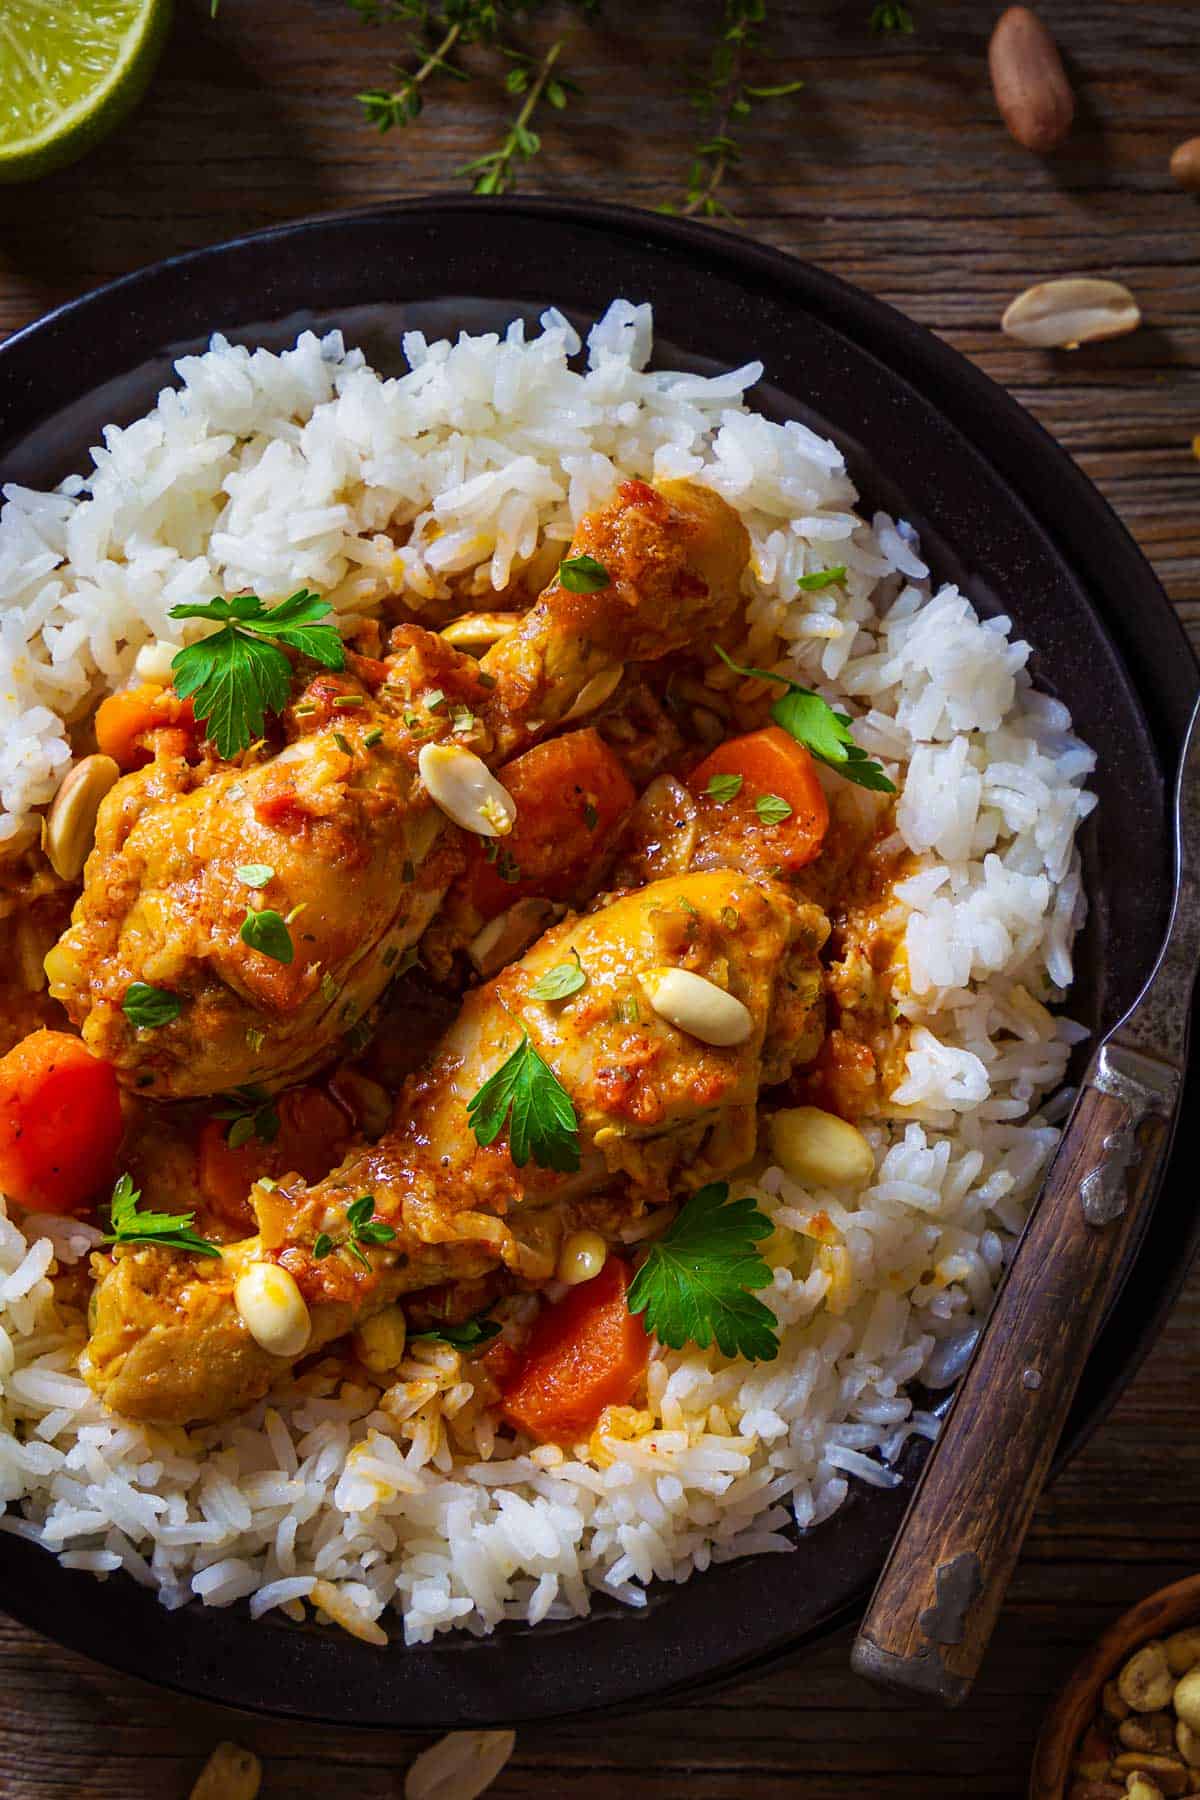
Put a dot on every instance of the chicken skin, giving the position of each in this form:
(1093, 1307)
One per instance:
(358, 857)
(658, 1111)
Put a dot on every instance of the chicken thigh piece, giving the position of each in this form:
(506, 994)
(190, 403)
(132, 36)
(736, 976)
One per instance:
(658, 1109)
(356, 855)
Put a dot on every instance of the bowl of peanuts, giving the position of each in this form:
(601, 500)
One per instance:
(1127, 1724)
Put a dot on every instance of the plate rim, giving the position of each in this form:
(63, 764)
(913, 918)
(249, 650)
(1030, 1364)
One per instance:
(957, 390)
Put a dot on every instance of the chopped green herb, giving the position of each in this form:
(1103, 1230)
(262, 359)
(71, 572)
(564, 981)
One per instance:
(434, 699)
(251, 1113)
(467, 1336)
(823, 732)
(583, 575)
(239, 673)
(821, 578)
(723, 788)
(171, 1231)
(626, 1010)
(408, 873)
(255, 875)
(772, 809)
(267, 933)
(525, 1092)
(698, 1280)
(255, 1038)
(557, 983)
(329, 988)
(350, 700)
(372, 737)
(731, 918)
(363, 1228)
(591, 816)
(149, 1007)
(507, 866)
(892, 17)
(343, 744)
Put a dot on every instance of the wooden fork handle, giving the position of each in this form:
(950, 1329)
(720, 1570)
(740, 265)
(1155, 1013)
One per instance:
(932, 1614)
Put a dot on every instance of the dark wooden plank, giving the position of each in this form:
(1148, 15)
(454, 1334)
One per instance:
(892, 170)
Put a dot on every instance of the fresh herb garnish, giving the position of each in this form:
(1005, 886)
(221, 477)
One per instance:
(372, 737)
(697, 1282)
(467, 1336)
(821, 578)
(563, 979)
(363, 1229)
(722, 100)
(892, 17)
(267, 933)
(772, 809)
(527, 1093)
(149, 1007)
(496, 171)
(172, 1231)
(723, 788)
(255, 875)
(823, 732)
(583, 575)
(591, 815)
(251, 1113)
(239, 674)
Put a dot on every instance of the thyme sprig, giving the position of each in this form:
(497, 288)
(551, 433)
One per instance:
(723, 100)
(496, 171)
(438, 32)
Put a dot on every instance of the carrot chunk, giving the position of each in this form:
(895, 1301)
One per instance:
(60, 1123)
(571, 795)
(585, 1352)
(313, 1132)
(772, 766)
(124, 720)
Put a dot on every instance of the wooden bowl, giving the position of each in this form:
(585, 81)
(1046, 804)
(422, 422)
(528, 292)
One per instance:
(1156, 1616)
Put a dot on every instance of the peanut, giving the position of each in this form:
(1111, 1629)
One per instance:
(1029, 81)
(1185, 164)
(1145, 1683)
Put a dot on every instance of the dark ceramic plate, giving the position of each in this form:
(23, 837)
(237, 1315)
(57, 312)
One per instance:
(1001, 510)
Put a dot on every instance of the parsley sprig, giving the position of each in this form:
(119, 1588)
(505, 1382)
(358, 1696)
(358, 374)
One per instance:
(239, 673)
(697, 1282)
(362, 1228)
(525, 1092)
(171, 1231)
(824, 733)
(251, 1112)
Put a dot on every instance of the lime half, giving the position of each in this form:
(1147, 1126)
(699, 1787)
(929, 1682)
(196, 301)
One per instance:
(69, 71)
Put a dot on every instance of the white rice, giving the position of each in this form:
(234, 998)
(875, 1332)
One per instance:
(274, 472)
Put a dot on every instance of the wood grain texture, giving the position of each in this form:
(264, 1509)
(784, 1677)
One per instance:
(891, 169)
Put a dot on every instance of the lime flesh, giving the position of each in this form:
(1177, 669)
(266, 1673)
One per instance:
(69, 71)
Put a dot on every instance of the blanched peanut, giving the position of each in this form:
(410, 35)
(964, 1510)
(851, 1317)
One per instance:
(1166, 1774)
(70, 825)
(1183, 1649)
(379, 1341)
(462, 786)
(272, 1309)
(460, 1766)
(698, 1006)
(1187, 1742)
(1146, 1731)
(1186, 1699)
(583, 1255)
(1112, 1702)
(1145, 1683)
(230, 1773)
(819, 1149)
(1139, 1788)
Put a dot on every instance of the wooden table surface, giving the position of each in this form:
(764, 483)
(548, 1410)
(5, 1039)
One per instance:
(892, 170)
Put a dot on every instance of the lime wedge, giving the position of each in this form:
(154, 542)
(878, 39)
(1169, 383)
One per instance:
(69, 71)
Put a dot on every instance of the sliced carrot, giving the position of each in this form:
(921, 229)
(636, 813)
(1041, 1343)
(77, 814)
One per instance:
(124, 720)
(572, 795)
(770, 763)
(585, 1352)
(313, 1131)
(60, 1123)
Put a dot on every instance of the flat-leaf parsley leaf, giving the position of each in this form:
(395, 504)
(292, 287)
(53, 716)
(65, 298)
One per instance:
(821, 578)
(823, 732)
(171, 1231)
(697, 1281)
(541, 1119)
(239, 674)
